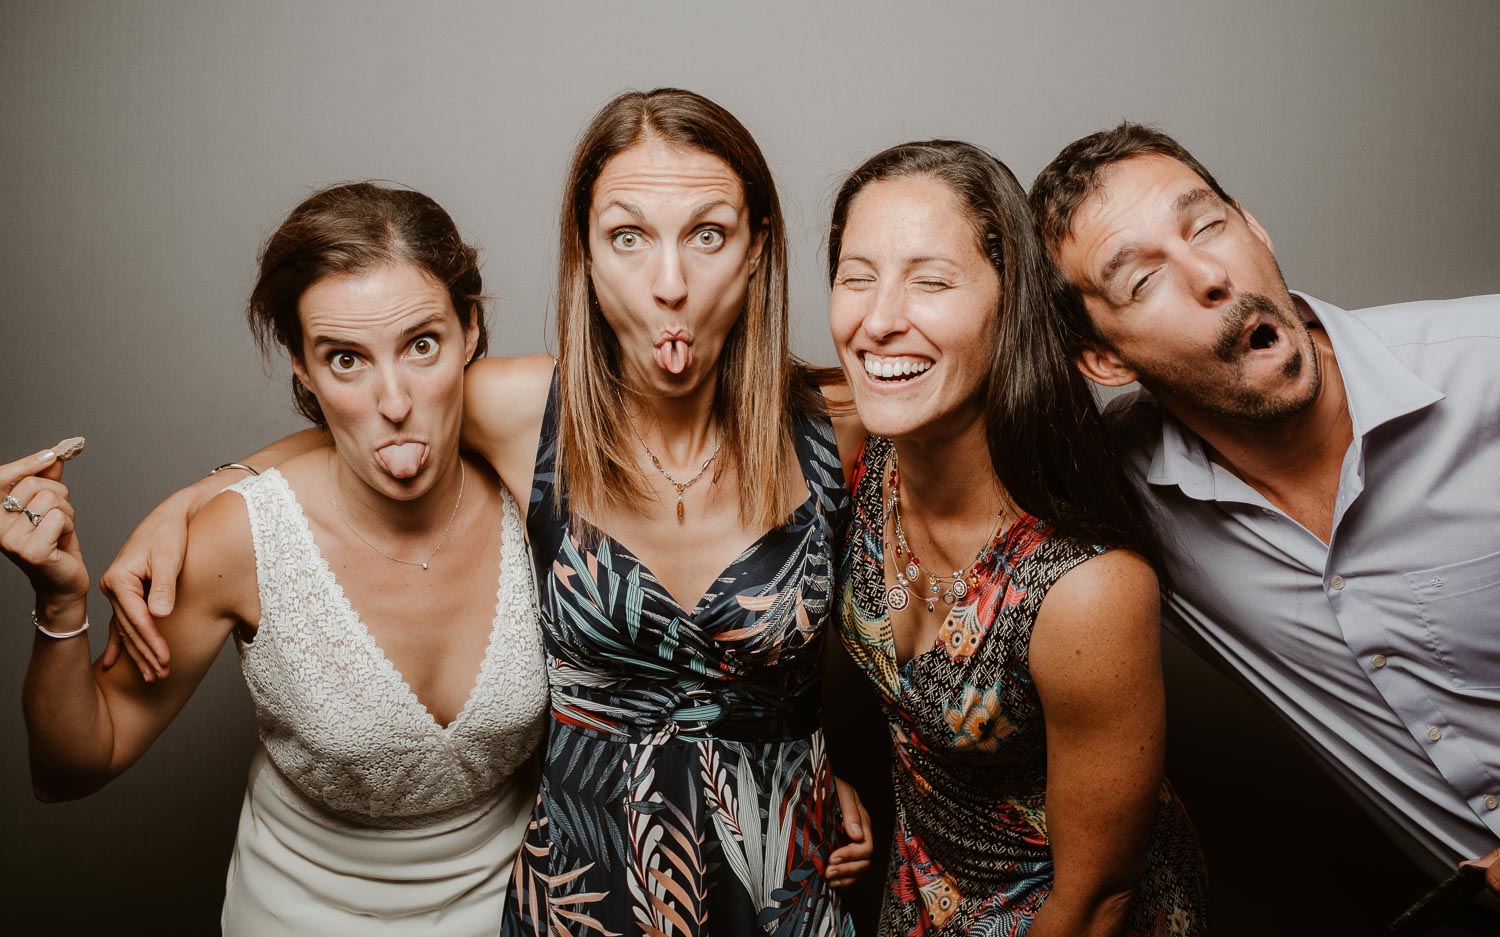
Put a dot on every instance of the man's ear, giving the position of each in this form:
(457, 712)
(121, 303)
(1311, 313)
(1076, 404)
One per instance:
(1260, 233)
(1102, 366)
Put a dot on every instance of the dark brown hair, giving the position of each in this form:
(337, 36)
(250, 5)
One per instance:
(348, 228)
(1045, 436)
(1073, 176)
(760, 384)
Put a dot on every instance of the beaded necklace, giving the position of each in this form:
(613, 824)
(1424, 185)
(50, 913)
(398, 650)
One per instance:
(940, 588)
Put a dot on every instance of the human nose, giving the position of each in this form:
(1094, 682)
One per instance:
(395, 400)
(1209, 279)
(887, 313)
(669, 282)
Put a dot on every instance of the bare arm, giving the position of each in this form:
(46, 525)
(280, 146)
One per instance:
(141, 583)
(86, 724)
(1096, 661)
(504, 401)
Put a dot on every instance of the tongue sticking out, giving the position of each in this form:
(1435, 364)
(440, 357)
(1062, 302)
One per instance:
(674, 356)
(403, 460)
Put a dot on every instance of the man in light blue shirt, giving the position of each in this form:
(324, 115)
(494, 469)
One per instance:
(1326, 484)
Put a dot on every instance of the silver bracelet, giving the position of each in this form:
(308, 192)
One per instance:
(59, 634)
(230, 465)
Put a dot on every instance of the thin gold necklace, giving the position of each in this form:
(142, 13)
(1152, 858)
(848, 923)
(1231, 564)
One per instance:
(462, 477)
(680, 486)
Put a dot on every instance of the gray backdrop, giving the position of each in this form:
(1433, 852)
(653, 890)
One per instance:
(147, 148)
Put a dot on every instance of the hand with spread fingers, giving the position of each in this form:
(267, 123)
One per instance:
(36, 534)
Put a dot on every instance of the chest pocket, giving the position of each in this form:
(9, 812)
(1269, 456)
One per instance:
(1459, 605)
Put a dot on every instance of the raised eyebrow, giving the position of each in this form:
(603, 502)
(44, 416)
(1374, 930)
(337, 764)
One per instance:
(437, 318)
(337, 341)
(702, 210)
(630, 208)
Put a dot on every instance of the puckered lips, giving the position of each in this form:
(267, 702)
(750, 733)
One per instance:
(402, 458)
(894, 370)
(673, 350)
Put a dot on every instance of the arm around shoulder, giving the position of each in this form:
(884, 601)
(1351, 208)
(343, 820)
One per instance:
(504, 402)
(1096, 662)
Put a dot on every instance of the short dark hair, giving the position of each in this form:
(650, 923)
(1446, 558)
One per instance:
(346, 229)
(1045, 435)
(1072, 177)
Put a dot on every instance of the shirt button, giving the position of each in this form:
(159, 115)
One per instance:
(1268, 512)
(1338, 583)
(1378, 661)
(1434, 733)
(1490, 803)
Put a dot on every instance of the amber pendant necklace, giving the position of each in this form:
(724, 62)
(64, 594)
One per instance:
(681, 487)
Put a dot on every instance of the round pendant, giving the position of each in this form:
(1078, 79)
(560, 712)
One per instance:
(960, 588)
(896, 597)
(935, 587)
(948, 598)
(911, 571)
(930, 605)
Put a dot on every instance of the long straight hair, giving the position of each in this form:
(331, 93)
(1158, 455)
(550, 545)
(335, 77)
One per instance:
(759, 383)
(1045, 436)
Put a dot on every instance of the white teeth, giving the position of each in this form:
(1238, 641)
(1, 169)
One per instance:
(885, 368)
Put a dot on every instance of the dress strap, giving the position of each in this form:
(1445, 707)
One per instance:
(547, 507)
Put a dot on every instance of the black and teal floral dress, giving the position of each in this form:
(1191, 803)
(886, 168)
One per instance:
(685, 789)
(971, 854)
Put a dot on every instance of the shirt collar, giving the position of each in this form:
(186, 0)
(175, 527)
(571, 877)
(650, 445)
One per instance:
(1377, 386)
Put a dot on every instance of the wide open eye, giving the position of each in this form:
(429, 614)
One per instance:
(626, 240)
(342, 362)
(424, 347)
(710, 238)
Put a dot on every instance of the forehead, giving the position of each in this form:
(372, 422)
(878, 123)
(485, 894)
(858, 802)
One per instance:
(1131, 199)
(909, 216)
(383, 297)
(655, 171)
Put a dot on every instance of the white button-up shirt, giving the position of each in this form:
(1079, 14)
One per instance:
(1382, 647)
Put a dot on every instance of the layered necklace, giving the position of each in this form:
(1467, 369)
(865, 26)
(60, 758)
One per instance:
(681, 487)
(447, 529)
(947, 589)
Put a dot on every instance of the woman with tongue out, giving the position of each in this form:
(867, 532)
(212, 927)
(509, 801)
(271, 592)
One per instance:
(398, 686)
(1012, 645)
(685, 486)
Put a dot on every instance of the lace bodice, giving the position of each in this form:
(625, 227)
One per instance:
(339, 721)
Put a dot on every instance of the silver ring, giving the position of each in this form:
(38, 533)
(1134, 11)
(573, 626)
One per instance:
(32, 516)
(12, 505)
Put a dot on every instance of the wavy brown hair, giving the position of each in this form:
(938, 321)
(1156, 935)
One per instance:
(760, 385)
(348, 228)
(1045, 435)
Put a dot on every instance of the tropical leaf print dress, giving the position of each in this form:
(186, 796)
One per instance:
(970, 853)
(685, 788)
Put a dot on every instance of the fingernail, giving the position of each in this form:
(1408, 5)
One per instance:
(47, 457)
(160, 609)
(856, 829)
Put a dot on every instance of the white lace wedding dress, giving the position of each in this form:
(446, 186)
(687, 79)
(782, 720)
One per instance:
(363, 815)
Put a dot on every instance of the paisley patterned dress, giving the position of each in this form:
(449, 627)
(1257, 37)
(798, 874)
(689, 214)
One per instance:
(970, 853)
(685, 789)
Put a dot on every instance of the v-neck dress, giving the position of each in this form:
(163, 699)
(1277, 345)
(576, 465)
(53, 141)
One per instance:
(971, 854)
(685, 789)
(363, 814)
